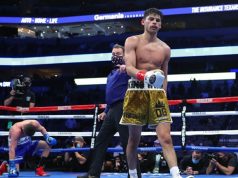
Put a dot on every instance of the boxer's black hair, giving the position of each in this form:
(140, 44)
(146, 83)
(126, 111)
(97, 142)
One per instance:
(29, 130)
(153, 11)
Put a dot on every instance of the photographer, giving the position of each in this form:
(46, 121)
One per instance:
(222, 163)
(75, 161)
(20, 94)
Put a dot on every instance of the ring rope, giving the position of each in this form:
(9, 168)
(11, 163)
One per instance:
(30, 117)
(212, 100)
(174, 133)
(142, 149)
(102, 106)
(51, 108)
(188, 114)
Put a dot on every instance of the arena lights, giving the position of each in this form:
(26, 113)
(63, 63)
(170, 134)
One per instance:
(207, 51)
(202, 76)
(101, 57)
(91, 81)
(116, 15)
(171, 78)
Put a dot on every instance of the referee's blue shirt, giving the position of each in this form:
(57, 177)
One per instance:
(116, 87)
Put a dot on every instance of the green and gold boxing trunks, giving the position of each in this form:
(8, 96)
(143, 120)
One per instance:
(144, 105)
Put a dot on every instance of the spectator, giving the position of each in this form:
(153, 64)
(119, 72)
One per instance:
(76, 161)
(157, 160)
(222, 163)
(194, 164)
(120, 164)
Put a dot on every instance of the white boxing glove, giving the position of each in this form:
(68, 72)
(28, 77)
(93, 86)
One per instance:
(154, 78)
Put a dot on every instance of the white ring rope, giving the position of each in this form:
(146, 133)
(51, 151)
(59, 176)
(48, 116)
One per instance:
(30, 117)
(177, 133)
(211, 113)
(188, 114)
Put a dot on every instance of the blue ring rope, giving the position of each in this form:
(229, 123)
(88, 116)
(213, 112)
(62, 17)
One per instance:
(142, 149)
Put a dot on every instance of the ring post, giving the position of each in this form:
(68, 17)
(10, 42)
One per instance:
(183, 130)
(95, 117)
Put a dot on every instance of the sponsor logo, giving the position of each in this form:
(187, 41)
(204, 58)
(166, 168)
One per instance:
(43, 117)
(198, 113)
(131, 115)
(219, 8)
(60, 108)
(205, 100)
(39, 20)
(21, 109)
(231, 7)
(109, 16)
(65, 133)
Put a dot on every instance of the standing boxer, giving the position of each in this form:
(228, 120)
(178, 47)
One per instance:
(147, 59)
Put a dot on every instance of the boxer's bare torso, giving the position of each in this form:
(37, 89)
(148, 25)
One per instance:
(16, 130)
(16, 134)
(143, 53)
(150, 55)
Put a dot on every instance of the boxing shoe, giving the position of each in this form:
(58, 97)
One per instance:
(177, 176)
(87, 176)
(190, 176)
(3, 168)
(40, 171)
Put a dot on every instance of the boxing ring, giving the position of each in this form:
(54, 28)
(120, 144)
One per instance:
(184, 134)
(25, 174)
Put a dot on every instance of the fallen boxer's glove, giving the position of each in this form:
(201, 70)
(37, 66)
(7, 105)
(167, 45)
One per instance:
(50, 140)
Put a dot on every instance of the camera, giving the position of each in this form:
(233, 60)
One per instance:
(18, 87)
(213, 156)
(20, 84)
